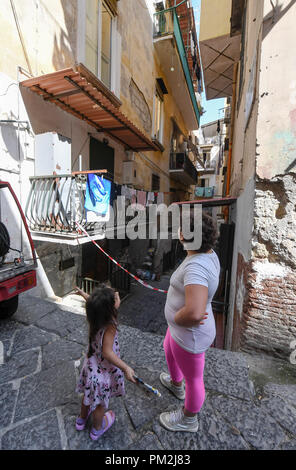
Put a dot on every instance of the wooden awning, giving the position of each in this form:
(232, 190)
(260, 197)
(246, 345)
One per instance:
(79, 92)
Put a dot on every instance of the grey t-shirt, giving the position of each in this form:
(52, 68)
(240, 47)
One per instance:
(202, 269)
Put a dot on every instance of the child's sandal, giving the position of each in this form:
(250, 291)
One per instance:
(81, 422)
(110, 417)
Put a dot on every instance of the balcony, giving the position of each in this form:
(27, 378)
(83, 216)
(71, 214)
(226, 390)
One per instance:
(55, 204)
(168, 42)
(204, 192)
(182, 169)
(220, 39)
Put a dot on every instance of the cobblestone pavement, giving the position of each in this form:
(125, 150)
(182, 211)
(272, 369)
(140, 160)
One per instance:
(43, 348)
(143, 308)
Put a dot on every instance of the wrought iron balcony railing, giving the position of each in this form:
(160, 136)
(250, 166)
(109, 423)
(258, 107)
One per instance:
(180, 161)
(56, 203)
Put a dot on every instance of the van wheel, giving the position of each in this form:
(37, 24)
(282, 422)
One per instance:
(8, 307)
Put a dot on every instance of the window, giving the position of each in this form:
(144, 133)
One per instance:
(106, 46)
(99, 43)
(155, 183)
(92, 36)
(98, 39)
(158, 116)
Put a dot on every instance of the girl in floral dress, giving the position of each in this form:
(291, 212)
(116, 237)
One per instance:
(102, 373)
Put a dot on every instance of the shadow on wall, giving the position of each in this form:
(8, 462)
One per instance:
(64, 52)
(9, 135)
(272, 18)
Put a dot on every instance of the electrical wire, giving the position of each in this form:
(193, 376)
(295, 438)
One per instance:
(13, 83)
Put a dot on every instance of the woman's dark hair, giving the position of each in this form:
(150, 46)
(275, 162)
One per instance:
(209, 232)
(100, 312)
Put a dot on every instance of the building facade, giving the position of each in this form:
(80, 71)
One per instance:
(246, 59)
(89, 85)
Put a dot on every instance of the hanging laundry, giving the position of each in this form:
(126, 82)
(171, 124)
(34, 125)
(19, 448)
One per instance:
(141, 198)
(115, 192)
(160, 198)
(150, 197)
(97, 198)
(126, 192)
(133, 196)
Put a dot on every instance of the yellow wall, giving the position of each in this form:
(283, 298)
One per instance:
(215, 18)
(141, 64)
(48, 30)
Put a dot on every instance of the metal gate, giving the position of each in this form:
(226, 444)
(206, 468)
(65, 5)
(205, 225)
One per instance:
(220, 302)
(118, 279)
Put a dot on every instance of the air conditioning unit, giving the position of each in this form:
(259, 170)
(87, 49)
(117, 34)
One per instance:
(52, 154)
(129, 172)
(130, 155)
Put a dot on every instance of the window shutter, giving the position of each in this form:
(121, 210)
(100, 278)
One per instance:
(118, 64)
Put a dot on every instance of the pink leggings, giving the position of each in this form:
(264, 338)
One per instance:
(184, 364)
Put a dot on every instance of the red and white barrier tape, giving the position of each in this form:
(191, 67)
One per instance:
(140, 281)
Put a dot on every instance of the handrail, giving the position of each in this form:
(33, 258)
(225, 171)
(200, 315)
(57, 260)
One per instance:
(184, 163)
(56, 202)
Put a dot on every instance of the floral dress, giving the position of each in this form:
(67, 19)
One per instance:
(99, 379)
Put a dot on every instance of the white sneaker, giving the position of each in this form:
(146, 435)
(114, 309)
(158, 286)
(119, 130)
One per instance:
(177, 421)
(178, 391)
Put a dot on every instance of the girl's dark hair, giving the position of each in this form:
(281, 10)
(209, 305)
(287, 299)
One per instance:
(100, 312)
(209, 231)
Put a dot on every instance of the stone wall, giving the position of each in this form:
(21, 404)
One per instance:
(274, 220)
(50, 255)
(265, 306)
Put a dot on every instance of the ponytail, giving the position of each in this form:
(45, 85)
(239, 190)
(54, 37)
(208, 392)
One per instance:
(90, 348)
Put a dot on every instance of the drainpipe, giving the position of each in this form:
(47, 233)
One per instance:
(233, 106)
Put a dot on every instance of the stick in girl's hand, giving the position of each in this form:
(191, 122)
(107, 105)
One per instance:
(148, 387)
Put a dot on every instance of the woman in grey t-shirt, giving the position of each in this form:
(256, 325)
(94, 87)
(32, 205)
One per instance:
(191, 327)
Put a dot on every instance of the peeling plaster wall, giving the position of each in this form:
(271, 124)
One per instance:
(262, 314)
(275, 220)
(269, 314)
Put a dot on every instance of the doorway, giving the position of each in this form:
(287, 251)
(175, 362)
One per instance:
(101, 157)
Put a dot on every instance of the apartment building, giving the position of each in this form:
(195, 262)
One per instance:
(246, 58)
(104, 86)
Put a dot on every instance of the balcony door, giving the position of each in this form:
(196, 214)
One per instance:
(101, 157)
